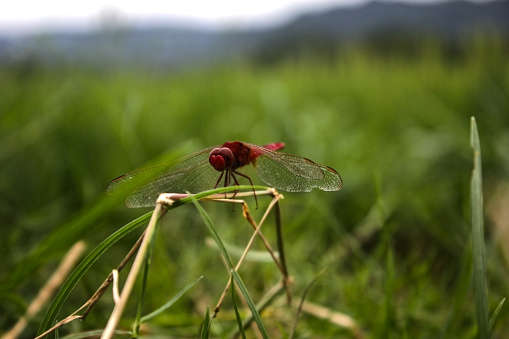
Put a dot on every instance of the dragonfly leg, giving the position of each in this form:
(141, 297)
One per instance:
(227, 178)
(250, 181)
(236, 183)
(219, 179)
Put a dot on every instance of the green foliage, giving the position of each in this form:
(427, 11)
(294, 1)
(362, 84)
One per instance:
(396, 240)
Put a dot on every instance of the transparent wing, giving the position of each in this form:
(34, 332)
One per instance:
(293, 173)
(191, 173)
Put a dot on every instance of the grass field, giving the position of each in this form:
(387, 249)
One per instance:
(395, 242)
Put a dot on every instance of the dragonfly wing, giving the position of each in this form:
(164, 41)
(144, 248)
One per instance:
(295, 174)
(196, 179)
(191, 173)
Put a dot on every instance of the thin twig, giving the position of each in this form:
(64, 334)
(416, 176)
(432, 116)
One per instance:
(100, 291)
(282, 257)
(301, 304)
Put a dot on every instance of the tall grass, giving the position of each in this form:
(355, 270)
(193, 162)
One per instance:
(395, 240)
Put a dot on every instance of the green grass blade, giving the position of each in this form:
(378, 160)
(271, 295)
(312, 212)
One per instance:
(266, 300)
(237, 313)
(205, 329)
(478, 250)
(83, 267)
(215, 235)
(170, 302)
(495, 314)
(250, 303)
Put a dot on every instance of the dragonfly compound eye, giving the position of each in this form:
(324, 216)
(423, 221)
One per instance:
(221, 158)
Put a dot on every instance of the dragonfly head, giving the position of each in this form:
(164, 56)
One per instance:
(221, 158)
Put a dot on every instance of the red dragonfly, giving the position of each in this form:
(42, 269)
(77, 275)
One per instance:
(198, 172)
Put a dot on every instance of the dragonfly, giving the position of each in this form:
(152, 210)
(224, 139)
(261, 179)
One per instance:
(219, 165)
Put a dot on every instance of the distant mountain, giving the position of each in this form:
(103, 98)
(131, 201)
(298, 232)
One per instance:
(177, 47)
(388, 22)
(450, 18)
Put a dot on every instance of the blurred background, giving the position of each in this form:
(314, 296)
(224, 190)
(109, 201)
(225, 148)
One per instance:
(381, 91)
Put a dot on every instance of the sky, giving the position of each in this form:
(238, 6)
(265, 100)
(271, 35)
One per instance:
(25, 17)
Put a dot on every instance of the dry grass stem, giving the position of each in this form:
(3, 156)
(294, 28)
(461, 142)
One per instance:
(48, 290)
